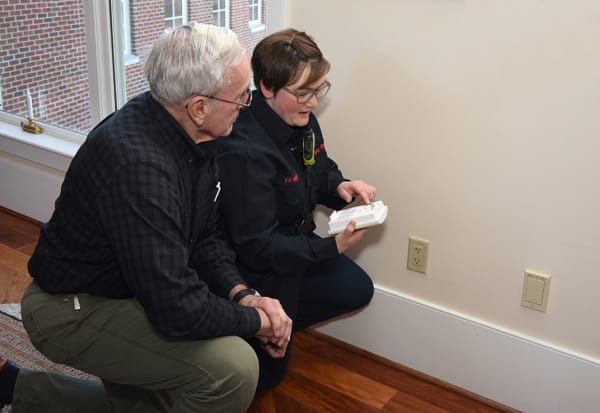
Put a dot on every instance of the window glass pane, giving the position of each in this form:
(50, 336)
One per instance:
(220, 13)
(254, 10)
(125, 27)
(174, 13)
(168, 8)
(43, 49)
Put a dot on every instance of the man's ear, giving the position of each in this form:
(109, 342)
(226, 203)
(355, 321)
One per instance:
(267, 93)
(198, 109)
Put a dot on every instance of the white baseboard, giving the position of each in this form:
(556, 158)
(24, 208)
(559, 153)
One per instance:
(502, 366)
(28, 187)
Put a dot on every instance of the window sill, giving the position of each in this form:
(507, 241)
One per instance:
(131, 59)
(256, 27)
(55, 147)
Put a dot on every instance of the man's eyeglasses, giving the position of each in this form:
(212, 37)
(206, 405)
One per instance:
(245, 103)
(303, 96)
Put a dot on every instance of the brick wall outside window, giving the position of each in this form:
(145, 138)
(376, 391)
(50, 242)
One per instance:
(42, 46)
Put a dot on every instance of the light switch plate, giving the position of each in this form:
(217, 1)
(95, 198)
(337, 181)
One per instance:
(536, 287)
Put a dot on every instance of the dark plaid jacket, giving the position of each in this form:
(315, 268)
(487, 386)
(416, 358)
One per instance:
(138, 216)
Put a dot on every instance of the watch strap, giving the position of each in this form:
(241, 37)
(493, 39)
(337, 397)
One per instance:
(242, 293)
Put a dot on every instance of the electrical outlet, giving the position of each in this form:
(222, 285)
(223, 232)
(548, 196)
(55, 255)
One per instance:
(418, 254)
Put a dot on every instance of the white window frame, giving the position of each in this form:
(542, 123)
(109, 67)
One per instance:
(56, 146)
(256, 24)
(224, 10)
(184, 12)
(126, 25)
(123, 20)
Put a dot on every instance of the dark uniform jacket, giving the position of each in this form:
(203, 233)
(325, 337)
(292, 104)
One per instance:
(266, 204)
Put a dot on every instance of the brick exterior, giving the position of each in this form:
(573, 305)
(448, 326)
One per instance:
(42, 47)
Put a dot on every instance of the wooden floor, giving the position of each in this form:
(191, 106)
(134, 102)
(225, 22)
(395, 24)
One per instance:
(325, 375)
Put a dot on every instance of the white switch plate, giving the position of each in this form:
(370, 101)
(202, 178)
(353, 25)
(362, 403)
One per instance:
(536, 287)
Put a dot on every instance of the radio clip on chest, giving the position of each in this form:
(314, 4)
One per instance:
(308, 148)
(308, 159)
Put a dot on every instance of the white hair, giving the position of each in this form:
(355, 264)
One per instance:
(192, 59)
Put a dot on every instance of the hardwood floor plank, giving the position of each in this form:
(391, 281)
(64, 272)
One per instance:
(14, 277)
(27, 249)
(290, 405)
(264, 402)
(318, 396)
(449, 398)
(18, 237)
(406, 402)
(18, 232)
(339, 378)
(14, 259)
(12, 285)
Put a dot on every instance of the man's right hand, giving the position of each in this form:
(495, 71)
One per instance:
(275, 325)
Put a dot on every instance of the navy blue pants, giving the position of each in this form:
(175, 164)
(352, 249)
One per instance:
(327, 289)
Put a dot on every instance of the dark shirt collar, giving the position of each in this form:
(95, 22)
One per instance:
(173, 133)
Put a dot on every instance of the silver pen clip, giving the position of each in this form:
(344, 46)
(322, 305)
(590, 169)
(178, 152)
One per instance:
(218, 191)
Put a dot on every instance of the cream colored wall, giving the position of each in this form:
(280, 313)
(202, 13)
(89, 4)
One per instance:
(479, 122)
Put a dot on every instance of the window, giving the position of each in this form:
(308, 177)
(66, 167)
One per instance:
(255, 22)
(255, 10)
(62, 52)
(175, 13)
(220, 13)
(255, 13)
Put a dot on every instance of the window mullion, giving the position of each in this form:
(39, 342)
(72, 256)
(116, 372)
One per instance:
(118, 53)
(100, 59)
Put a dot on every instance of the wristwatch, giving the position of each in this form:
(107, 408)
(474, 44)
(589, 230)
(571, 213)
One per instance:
(242, 293)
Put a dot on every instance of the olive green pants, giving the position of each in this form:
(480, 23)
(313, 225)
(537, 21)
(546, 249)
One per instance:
(140, 370)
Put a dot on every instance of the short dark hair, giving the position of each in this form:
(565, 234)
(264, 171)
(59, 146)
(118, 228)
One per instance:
(280, 59)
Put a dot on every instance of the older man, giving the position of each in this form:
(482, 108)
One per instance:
(134, 281)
